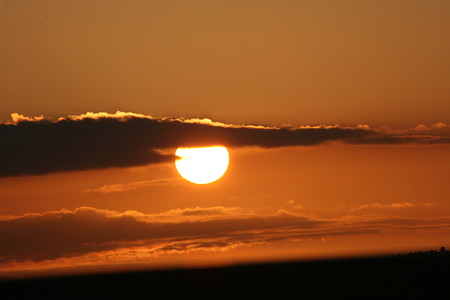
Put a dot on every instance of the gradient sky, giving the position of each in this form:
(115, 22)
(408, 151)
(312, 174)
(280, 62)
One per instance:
(100, 191)
(271, 62)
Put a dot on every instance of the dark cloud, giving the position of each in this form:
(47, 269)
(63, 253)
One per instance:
(32, 146)
(41, 146)
(69, 233)
(59, 234)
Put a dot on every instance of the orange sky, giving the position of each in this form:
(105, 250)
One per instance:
(269, 62)
(376, 189)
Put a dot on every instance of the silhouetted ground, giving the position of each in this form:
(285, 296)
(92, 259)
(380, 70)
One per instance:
(422, 276)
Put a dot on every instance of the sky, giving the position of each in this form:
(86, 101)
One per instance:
(335, 116)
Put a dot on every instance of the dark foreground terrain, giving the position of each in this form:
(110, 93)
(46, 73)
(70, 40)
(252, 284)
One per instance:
(399, 277)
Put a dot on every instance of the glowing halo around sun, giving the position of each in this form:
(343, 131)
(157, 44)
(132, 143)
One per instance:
(202, 165)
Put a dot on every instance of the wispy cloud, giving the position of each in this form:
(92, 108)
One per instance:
(126, 187)
(391, 206)
(396, 205)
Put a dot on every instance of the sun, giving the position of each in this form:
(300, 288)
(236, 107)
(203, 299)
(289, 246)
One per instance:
(202, 165)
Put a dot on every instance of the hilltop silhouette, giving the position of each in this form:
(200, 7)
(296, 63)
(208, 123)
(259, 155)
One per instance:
(415, 275)
(441, 251)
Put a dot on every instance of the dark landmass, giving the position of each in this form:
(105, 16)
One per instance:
(417, 275)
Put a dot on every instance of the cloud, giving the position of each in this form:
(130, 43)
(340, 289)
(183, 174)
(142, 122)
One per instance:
(70, 233)
(125, 187)
(392, 206)
(292, 205)
(201, 211)
(85, 231)
(396, 205)
(33, 146)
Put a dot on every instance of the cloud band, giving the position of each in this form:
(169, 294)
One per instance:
(33, 146)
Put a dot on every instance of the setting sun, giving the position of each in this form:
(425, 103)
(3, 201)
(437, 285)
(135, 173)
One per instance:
(202, 165)
(283, 149)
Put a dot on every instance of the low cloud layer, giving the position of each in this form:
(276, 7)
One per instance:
(33, 146)
(70, 233)
(86, 231)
